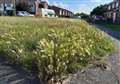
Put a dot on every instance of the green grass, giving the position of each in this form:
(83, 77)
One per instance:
(51, 47)
(112, 26)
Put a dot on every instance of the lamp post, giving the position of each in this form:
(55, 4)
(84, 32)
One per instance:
(14, 7)
(4, 7)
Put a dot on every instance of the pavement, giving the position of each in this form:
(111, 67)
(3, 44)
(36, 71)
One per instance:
(108, 73)
(10, 74)
(112, 33)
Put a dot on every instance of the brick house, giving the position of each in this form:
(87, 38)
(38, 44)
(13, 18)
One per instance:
(37, 7)
(10, 5)
(112, 13)
(30, 4)
(40, 5)
(7, 7)
(60, 12)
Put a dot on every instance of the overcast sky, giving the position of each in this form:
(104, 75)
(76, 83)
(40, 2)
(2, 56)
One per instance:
(79, 5)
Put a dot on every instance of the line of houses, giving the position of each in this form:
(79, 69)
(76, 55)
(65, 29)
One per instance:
(112, 13)
(37, 7)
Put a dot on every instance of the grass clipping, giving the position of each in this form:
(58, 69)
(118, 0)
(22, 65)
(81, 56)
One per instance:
(51, 47)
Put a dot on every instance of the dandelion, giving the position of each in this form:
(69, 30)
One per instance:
(13, 38)
(13, 51)
(8, 42)
(2, 36)
(20, 50)
(35, 52)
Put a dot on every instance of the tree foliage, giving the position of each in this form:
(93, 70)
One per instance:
(99, 10)
(82, 15)
(22, 6)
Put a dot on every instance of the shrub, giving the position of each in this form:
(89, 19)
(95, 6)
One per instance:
(51, 47)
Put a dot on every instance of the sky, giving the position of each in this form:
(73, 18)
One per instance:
(78, 6)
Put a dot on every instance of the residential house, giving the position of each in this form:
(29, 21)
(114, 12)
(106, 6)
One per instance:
(61, 12)
(40, 7)
(37, 7)
(112, 13)
(29, 3)
(47, 10)
(7, 7)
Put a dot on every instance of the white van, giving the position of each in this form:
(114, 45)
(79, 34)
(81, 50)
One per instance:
(48, 12)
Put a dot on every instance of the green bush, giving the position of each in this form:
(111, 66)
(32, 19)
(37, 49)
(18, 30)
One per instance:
(51, 47)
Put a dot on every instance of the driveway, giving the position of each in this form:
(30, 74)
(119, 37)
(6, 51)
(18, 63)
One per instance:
(102, 74)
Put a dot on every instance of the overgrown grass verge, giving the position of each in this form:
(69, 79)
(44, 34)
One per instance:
(51, 47)
(109, 25)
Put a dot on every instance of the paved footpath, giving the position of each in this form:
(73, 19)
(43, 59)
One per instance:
(95, 74)
(9, 74)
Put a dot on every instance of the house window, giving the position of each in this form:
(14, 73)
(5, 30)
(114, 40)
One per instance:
(63, 12)
(60, 12)
(117, 4)
(113, 5)
(66, 13)
(1, 5)
(114, 16)
(9, 5)
(109, 14)
(109, 7)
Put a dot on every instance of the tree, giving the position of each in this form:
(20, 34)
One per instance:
(99, 10)
(82, 15)
(22, 6)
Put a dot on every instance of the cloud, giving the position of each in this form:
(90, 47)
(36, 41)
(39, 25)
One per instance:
(86, 8)
(78, 9)
(100, 1)
(96, 1)
(82, 8)
(60, 4)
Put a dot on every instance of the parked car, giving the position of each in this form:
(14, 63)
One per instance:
(23, 13)
(96, 18)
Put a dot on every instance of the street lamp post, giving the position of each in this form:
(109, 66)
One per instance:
(4, 7)
(14, 7)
